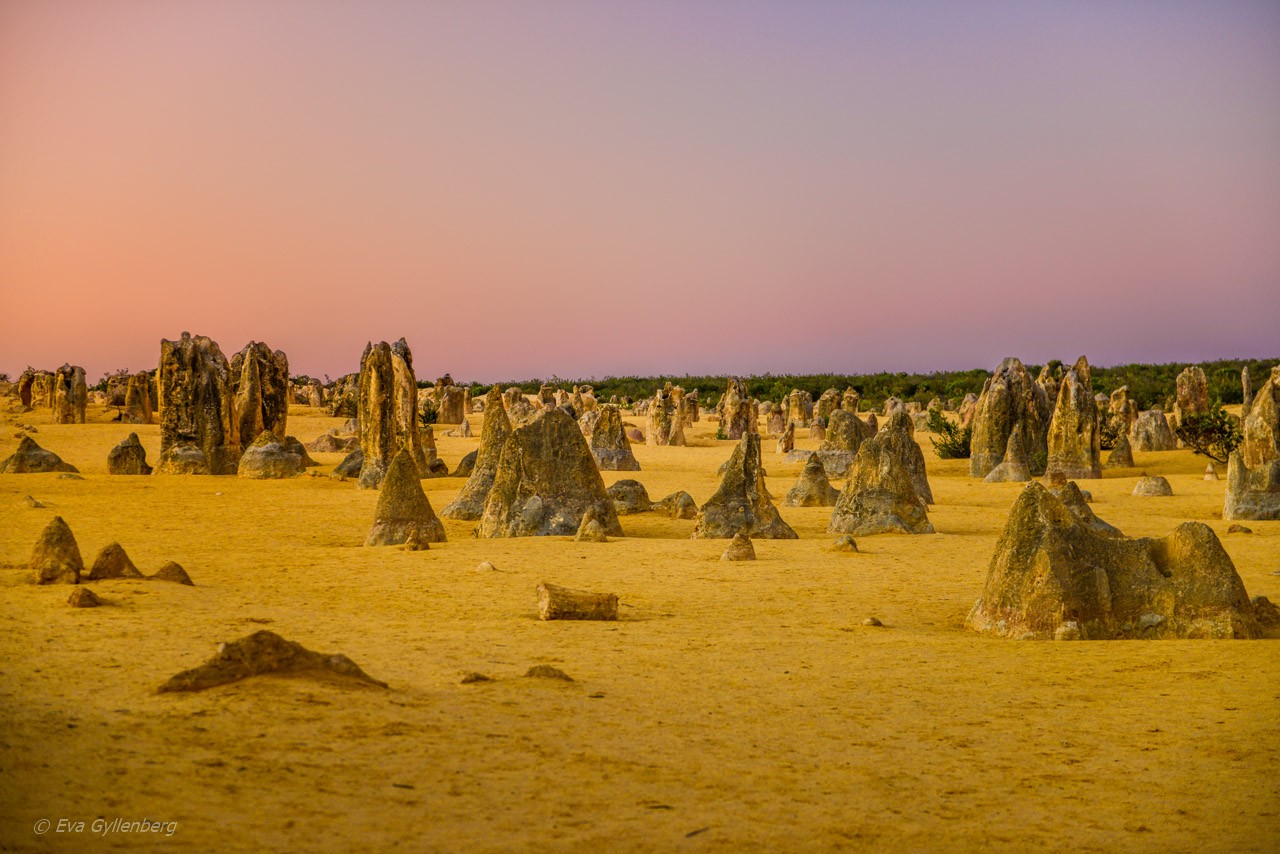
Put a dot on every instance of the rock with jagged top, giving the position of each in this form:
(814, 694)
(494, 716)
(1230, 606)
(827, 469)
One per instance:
(742, 503)
(546, 480)
(137, 398)
(1151, 432)
(1073, 440)
(56, 557)
(1192, 395)
(678, 505)
(787, 441)
(350, 465)
(799, 408)
(469, 505)
(880, 496)
(844, 434)
(196, 408)
(735, 410)
(260, 392)
(70, 395)
(610, 446)
(629, 496)
(128, 457)
(112, 562)
(897, 436)
(30, 458)
(1076, 500)
(1015, 467)
(266, 652)
(1261, 427)
(1010, 401)
(591, 531)
(812, 489)
(1053, 577)
(452, 405)
(1121, 456)
(388, 411)
(740, 548)
(403, 508)
(658, 427)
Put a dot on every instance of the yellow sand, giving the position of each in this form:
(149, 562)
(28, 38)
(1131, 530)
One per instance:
(735, 707)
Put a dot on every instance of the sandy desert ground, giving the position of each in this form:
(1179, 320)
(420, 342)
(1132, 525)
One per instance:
(734, 707)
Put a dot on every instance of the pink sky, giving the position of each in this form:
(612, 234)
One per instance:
(580, 188)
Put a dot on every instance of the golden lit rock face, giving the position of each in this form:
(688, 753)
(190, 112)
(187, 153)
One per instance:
(195, 400)
(56, 557)
(469, 505)
(260, 391)
(880, 496)
(388, 411)
(1010, 401)
(1192, 394)
(742, 502)
(546, 481)
(1261, 428)
(1073, 439)
(403, 511)
(812, 489)
(1054, 576)
(30, 458)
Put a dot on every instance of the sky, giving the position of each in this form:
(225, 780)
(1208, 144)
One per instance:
(547, 187)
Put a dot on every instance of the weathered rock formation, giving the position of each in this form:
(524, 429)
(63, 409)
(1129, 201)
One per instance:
(469, 505)
(1053, 577)
(260, 391)
(1152, 486)
(1121, 456)
(1073, 439)
(333, 443)
(735, 410)
(30, 458)
(1252, 493)
(70, 395)
(128, 457)
(266, 652)
(799, 408)
(629, 496)
(880, 496)
(137, 398)
(658, 426)
(897, 436)
(1015, 467)
(742, 503)
(812, 489)
(1151, 432)
(740, 548)
(56, 557)
(197, 432)
(112, 562)
(403, 509)
(546, 480)
(1010, 401)
(678, 505)
(453, 405)
(270, 457)
(1192, 394)
(845, 433)
(610, 446)
(1261, 433)
(787, 441)
(388, 411)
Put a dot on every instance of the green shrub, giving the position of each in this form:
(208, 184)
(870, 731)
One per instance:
(1214, 434)
(953, 442)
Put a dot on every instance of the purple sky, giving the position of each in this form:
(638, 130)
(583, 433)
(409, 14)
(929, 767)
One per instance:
(589, 188)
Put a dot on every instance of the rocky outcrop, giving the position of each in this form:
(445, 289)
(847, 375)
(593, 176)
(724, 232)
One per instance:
(197, 432)
(629, 496)
(137, 398)
(403, 509)
(1053, 577)
(128, 457)
(56, 557)
(735, 411)
(1252, 493)
(30, 458)
(388, 411)
(452, 404)
(742, 503)
(70, 395)
(260, 391)
(844, 434)
(1010, 401)
(678, 505)
(1014, 467)
(1152, 486)
(333, 443)
(266, 652)
(546, 480)
(1261, 428)
(787, 441)
(270, 457)
(610, 446)
(1073, 439)
(1121, 456)
(897, 437)
(658, 427)
(469, 505)
(1192, 396)
(1151, 432)
(880, 496)
(812, 489)
(740, 548)
(112, 562)
(800, 408)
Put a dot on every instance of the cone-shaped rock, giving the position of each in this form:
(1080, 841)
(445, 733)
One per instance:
(56, 558)
(812, 489)
(897, 436)
(1210, 473)
(546, 480)
(740, 548)
(195, 400)
(30, 458)
(469, 505)
(879, 497)
(128, 457)
(112, 562)
(1015, 467)
(172, 571)
(742, 503)
(265, 652)
(609, 443)
(1073, 439)
(1010, 400)
(1051, 576)
(403, 508)
(1121, 456)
